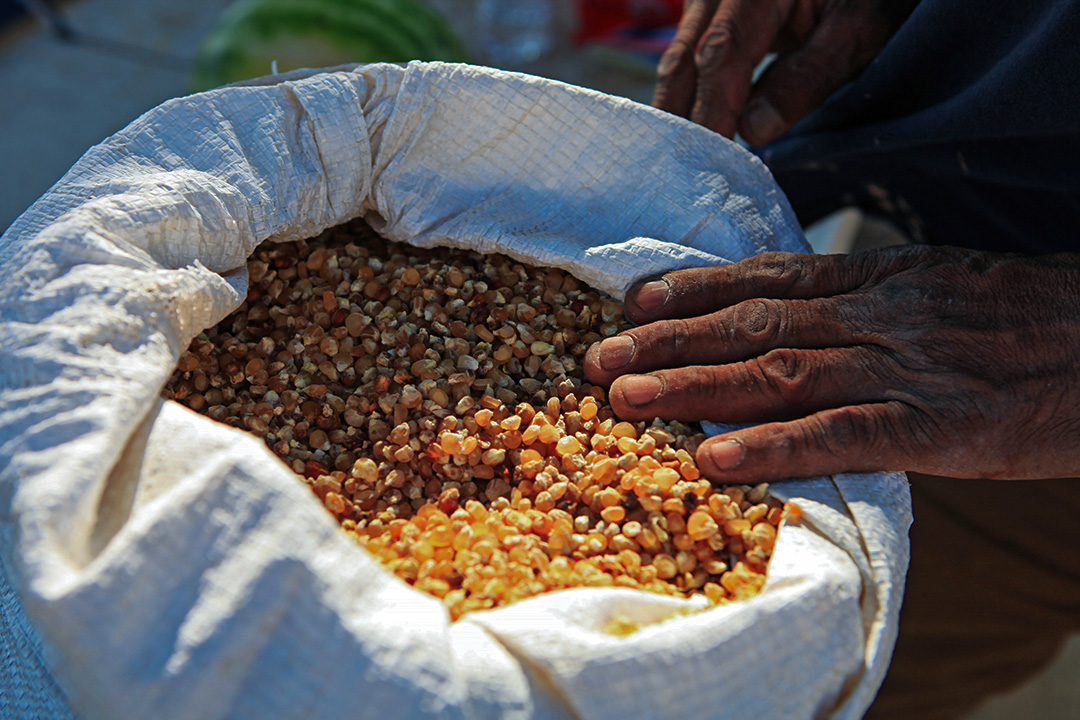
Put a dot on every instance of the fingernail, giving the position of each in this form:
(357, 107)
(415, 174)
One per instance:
(762, 122)
(616, 352)
(641, 389)
(725, 455)
(651, 296)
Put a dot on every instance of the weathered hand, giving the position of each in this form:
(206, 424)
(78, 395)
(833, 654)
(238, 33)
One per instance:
(706, 73)
(939, 360)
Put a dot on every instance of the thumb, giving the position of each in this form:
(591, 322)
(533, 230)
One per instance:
(797, 83)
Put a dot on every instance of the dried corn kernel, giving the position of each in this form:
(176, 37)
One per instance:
(435, 403)
(701, 526)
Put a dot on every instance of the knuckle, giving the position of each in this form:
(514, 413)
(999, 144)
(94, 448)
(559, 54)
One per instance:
(792, 441)
(689, 392)
(841, 434)
(837, 433)
(787, 374)
(674, 337)
(784, 270)
(678, 57)
(920, 304)
(717, 42)
(880, 264)
(717, 329)
(851, 426)
(680, 335)
(759, 321)
(708, 385)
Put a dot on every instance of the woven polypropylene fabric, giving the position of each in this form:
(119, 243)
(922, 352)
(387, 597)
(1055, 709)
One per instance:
(27, 688)
(175, 569)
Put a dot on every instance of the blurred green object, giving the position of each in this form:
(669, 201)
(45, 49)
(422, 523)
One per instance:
(254, 35)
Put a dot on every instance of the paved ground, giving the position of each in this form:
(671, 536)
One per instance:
(59, 99)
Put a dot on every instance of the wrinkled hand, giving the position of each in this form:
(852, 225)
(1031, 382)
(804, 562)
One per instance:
(706, 73)
(939, 360)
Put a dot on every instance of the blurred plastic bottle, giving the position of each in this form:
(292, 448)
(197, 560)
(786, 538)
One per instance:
(511, 33)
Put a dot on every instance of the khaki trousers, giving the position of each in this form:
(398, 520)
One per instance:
(992, 595)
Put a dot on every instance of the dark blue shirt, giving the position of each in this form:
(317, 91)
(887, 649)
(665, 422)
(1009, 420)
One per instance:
(965, 130)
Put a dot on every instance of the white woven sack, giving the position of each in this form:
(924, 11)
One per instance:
(156, 564)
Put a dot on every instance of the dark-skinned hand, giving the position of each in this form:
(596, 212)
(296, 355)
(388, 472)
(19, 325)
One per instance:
(938, 360)
(706, 73)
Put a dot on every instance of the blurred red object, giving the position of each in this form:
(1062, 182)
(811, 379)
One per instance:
(601, 18)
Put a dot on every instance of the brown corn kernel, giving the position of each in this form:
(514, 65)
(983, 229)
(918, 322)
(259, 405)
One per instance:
(427, 384)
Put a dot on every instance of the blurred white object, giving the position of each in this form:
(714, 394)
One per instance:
(514, 32)
(156, 564)
(836, 232)
(507, 34)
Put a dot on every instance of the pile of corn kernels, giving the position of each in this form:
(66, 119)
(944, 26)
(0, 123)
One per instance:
(435, 402)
